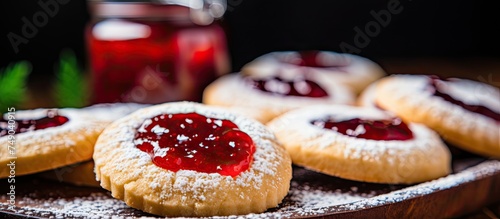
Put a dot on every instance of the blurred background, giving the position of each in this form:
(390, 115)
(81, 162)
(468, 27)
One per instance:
(423, 31)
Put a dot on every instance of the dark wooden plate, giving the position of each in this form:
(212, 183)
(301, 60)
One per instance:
(474, 183)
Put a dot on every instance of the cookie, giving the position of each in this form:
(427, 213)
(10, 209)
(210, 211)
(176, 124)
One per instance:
(187, 159)
(276, 93)
(44, 139)
(351, 70)
(362, 144)
(82, 174)
(464, 112)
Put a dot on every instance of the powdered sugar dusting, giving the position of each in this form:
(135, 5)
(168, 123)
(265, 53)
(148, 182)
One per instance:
(306, 197)
(354, 71)
(117, 154)
(95, 205)
(233, 90)
(480, 171)
(425, 149)
(311, 201)
(471, 92)
(412, 97)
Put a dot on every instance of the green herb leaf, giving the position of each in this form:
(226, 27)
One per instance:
(71, 88)
(13, 84)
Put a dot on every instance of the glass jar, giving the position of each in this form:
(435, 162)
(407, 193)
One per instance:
(154, 52)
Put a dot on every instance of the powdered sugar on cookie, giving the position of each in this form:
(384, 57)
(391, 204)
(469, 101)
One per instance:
(120, 163)
(52, 147)
(471, 92)
(420, 158)
(415, 98)
(350, 70)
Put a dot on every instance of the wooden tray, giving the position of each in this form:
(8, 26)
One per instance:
(475, 183)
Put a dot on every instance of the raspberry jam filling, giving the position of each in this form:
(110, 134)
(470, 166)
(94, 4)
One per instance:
(437, 84)
(299, 87)
(194, 142)
(309, 59)
(384, 130)
(20, 126)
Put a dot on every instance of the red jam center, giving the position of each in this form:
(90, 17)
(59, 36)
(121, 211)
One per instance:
(485, 111)
(297, 87)
(21, 126)
(384, 130)
(194, 142)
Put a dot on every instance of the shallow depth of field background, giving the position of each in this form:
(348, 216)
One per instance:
(423, 28)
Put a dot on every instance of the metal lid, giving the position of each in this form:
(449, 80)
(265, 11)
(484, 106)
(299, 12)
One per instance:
(201, 12)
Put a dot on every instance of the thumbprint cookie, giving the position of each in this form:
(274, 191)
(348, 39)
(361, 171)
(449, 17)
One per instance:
(44, 139)
(82, 174)
(465, 113)
(275, 93)
(354, 71)
(362, 144)
(188, 159)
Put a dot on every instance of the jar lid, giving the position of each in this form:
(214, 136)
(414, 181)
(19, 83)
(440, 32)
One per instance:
(202, 12)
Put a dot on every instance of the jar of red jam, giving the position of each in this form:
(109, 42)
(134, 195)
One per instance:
(155, 51)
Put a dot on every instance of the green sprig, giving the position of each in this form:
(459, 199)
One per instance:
(71, 87)
(13, 89)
